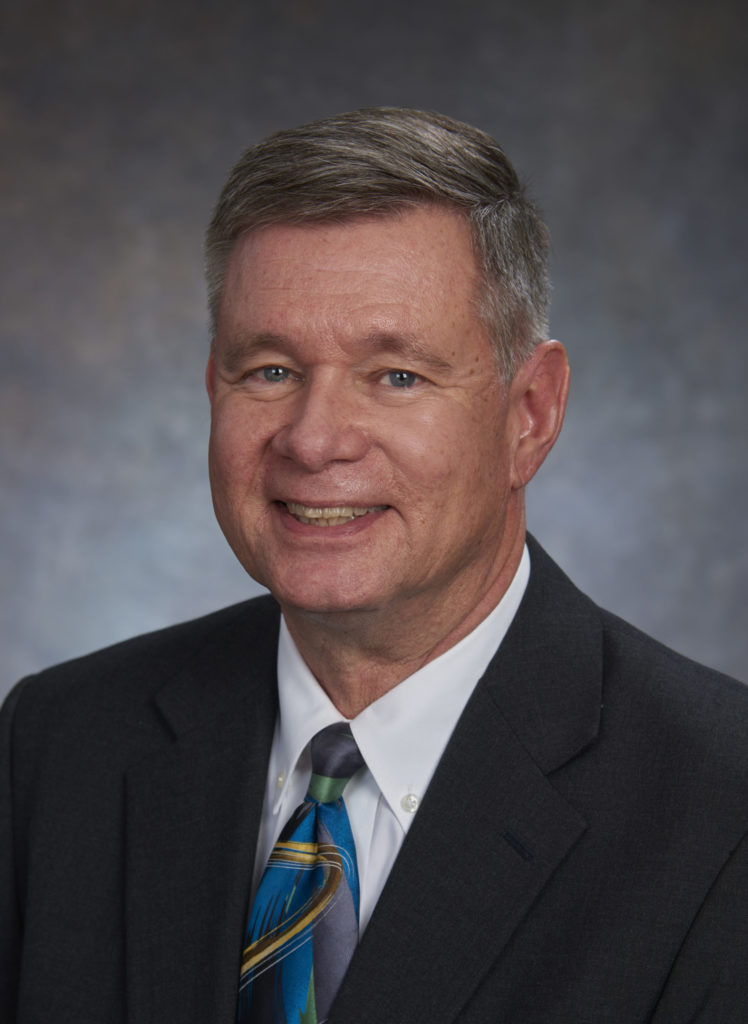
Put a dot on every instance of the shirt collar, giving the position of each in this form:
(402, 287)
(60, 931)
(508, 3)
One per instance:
(402, 735)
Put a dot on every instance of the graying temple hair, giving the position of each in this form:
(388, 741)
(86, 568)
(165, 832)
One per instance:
(381, 160)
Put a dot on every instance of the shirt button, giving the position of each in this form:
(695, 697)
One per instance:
(280, 780)
(409, 803)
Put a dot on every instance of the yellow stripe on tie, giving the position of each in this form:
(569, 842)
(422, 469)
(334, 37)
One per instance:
(263, 947)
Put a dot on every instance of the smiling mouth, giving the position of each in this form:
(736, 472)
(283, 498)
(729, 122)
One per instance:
(331, 515)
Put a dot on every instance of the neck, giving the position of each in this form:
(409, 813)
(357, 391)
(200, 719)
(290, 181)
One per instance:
(358, 656)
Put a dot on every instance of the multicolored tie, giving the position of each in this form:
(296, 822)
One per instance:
(303, 926)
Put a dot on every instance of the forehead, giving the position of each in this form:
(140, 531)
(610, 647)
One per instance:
(418, 264)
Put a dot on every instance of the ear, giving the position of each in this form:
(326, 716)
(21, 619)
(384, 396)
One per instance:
(537, 402)
(210, 375)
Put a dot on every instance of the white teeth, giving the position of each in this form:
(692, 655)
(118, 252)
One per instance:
(331, 515)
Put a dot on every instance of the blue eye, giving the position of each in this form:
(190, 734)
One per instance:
(274, 374)
(402, 378)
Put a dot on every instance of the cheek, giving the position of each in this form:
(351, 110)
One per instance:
(441, 464)
(221, 457)
(233, 448)
(465, 444)
(474, 475)
(424, 452)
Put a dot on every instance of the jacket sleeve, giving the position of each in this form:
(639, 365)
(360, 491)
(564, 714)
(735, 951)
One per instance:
(10, 911)
(709, 980)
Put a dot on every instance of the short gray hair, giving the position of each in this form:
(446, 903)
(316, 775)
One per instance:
(380, 160)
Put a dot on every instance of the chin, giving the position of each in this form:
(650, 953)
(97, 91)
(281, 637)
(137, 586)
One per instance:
(322, 604)
(315, 585)
(315, 599)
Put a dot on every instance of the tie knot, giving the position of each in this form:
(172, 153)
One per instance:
(335, 758)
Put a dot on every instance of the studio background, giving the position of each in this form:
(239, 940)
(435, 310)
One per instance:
(118, 124)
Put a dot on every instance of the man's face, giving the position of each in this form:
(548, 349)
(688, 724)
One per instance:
(360, 453)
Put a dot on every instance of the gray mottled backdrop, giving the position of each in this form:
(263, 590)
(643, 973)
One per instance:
(118, 122)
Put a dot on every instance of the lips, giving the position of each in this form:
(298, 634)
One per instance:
(329, 515)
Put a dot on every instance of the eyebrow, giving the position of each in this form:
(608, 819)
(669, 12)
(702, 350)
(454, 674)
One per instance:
(409, 347)
(239, 347)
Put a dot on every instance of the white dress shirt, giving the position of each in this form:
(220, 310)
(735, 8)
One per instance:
(401, 736)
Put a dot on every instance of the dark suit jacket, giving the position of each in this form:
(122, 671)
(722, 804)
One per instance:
(580, 855)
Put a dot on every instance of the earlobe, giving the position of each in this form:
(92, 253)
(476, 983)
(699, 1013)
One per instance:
(539, 393)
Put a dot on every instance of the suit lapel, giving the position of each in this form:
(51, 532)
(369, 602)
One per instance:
(492, 829)
(192, 816)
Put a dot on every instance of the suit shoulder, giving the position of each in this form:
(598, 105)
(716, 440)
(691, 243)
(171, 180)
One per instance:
(625, 643)
(676, 696)
(133, 669)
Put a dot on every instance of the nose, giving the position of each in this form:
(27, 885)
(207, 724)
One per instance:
(323, 427)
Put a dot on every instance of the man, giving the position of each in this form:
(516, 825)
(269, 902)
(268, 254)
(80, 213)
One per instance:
(546, 811)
